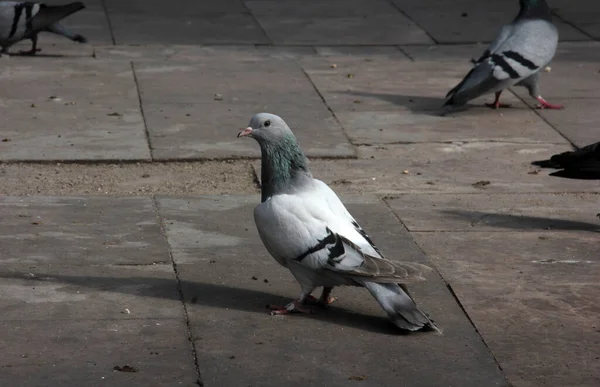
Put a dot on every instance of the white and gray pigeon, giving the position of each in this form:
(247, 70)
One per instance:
(515, 57)
(307, 229)
(25, 20)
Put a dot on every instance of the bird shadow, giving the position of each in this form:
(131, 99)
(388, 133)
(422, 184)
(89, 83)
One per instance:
(577, 174)
(41, 56)
(415, 103)
(522, 222)
(212, 295)
(431, 106)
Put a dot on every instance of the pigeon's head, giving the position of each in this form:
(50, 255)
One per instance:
(267, 128)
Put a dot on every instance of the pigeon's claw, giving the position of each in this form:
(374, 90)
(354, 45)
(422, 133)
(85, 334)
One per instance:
(293, 307)
(496, 104)
(547, 105)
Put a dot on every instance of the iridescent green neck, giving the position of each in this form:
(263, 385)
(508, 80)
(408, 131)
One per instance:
(283, 166)
(534, 9)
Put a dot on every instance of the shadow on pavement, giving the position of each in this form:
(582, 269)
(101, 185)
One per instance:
(414, 103)
(523, 222)
(212, 295)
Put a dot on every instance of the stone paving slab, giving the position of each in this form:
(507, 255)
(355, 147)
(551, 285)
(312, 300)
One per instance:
(483, 167)
(209, 131)
(579, 121)
(532, 296)
(224, 55)
(71, 231)
(226, 28)
(45, 292)
(61, 109)
(499, 212)
(335, 23)
(219, 103)
(479, 124)
(374, 108)
(84, 353)
(234, 81)
(574, 82)
(468, 21)
(583, 14)
(173, 8)
(224, 301)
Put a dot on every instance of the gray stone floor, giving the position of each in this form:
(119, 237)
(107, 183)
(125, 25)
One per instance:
(175, 285)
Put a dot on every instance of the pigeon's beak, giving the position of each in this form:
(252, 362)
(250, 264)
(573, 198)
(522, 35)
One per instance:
(245, 132)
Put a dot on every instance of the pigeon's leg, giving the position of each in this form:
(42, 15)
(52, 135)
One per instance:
(547, 105)
(295, 306)
(34, 48)
(496, 104)
(325, 299)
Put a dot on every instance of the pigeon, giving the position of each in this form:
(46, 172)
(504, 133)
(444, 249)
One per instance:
(515, 57)
(583, 163)
(307, 229)
(24, 20)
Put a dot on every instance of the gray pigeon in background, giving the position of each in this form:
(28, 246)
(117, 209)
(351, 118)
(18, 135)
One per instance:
(24, 20)
(583, 163)
(306, 228)
(515, 57)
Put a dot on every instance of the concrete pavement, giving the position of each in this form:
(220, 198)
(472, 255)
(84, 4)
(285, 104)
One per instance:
(128, 253)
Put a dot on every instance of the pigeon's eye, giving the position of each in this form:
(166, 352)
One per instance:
(267, 123)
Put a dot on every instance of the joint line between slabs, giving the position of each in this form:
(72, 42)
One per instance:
(146, 131)
(454, 295)
(108, 21)
(262, 29)
(180, 291)
(575, 27)
(330, 111)
(414, 22)
(537, 112)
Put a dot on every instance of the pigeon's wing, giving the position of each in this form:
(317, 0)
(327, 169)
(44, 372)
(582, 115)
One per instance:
(313, 229)
(345, 258)
(341, 213)
(530, 45)
(505, 32)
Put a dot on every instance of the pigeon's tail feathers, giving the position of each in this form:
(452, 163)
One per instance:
(59, 29)
(400, 307)
(479, 81)
(50, 14)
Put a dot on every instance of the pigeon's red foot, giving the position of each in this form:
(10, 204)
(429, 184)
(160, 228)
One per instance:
(498, 105)
(547, 105)
(322, 301)
(293, 307)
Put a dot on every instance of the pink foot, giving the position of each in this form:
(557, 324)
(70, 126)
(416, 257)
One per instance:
(547, 105)
(292, 307)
